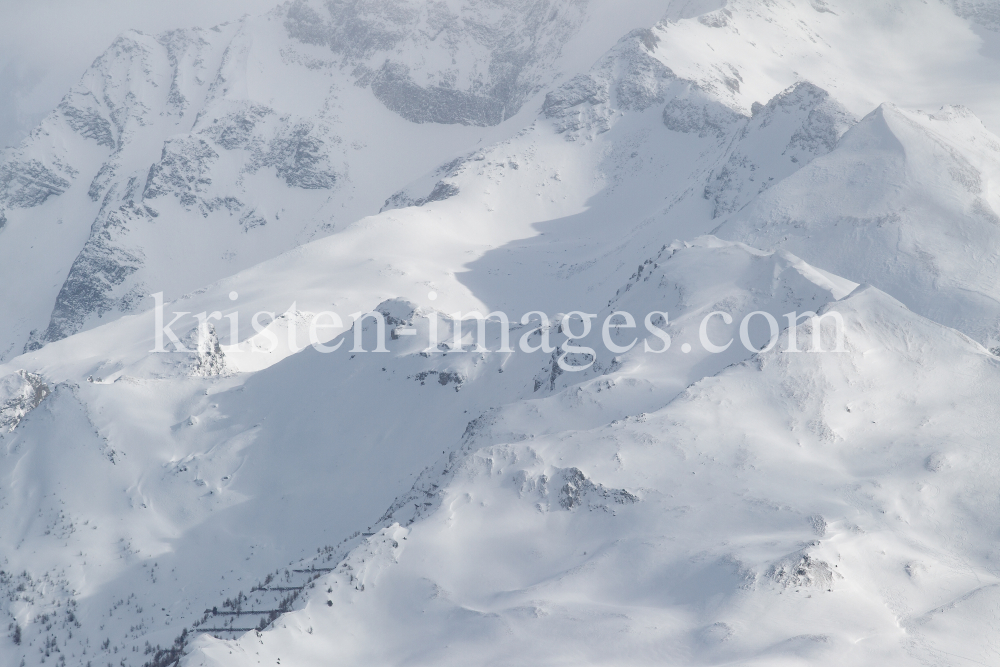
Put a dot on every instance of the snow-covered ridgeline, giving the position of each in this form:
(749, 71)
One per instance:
(685, 506)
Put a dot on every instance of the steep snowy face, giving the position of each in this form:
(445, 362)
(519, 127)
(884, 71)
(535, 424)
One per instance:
(916, 194)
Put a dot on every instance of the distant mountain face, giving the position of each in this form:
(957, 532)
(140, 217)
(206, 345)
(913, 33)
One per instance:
(983, 12)
(257, 136)
(422, 159)
(473, 63)
(219, 134)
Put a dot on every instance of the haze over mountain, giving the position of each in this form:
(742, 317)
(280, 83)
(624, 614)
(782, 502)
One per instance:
(243, 498)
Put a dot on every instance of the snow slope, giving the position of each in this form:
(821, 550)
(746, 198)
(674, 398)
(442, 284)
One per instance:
(226, 470)
(770, 515)
(252, 137)
(917, 195)
(225, 504)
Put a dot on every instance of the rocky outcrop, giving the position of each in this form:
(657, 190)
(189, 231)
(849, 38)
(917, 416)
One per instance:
(103, 265)
(28, 183)
(798, 125)
(20, 393)
(629, 78)
(497, 51)
(210, 360)
(183, 170)
(88, 123)
(443, 188)
(697, 113)
(101, 277)
(300, 158)
(983, 12)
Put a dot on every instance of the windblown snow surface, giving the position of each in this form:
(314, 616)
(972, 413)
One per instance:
(243, 498)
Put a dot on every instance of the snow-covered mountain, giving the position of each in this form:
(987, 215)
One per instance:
(253, 138)
(922, 213)
(807, 494)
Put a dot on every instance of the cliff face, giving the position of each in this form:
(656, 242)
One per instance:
(252, 138)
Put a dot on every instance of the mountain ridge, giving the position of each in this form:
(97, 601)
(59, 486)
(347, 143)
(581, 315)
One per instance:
(764, 503)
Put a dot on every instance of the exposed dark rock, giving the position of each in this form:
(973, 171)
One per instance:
(796, 126)
(697, 114)
(516, 36)
(236, 130)
(182, 170)
(398, 92)
(88, 123)
(800, 570)
(984, 12)
(578, 90)
(629, 77)
(211, 361)
(299, 157)
(20, 393)
(103, 264)
(30, 183)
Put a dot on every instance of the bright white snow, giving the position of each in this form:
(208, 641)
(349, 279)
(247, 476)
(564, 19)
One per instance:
(227, 505)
